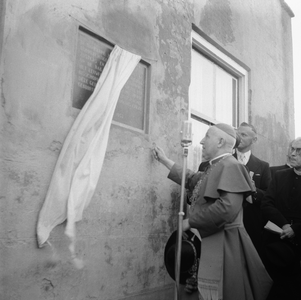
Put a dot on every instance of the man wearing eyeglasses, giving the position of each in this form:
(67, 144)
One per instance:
(282, 206)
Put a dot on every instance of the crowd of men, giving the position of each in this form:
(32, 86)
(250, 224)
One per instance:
(232, 196)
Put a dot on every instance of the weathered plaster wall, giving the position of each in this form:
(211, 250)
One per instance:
(259, 34)
(123, 232)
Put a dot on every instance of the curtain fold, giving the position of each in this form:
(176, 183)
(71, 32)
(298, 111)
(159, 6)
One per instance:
(80, 161)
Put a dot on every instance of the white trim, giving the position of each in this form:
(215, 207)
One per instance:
(231, 66)
(202, 116)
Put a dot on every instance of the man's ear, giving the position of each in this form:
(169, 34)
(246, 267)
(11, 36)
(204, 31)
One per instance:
(221, 142)
(254, 139)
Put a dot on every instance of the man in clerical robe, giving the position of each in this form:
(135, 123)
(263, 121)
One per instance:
(230, 267)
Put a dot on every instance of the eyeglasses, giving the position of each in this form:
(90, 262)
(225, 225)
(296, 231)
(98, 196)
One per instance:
(298, 150)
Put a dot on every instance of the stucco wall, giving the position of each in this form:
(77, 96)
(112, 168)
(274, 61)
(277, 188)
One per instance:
(258, 33)
(124, 229)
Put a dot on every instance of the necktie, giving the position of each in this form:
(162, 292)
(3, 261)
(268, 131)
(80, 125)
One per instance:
(242, 158)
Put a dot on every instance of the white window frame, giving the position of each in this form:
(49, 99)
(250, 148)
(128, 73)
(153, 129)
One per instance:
(229, 64)
(239, 70)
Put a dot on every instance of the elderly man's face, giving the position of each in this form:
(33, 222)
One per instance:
(210, 143)
(295, 154)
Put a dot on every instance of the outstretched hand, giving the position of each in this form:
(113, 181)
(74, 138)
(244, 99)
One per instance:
(159, 154)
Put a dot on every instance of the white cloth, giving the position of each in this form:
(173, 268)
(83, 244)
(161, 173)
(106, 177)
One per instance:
(80, 161)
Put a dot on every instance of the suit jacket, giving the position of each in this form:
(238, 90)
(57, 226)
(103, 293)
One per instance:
(282, 205)
(252, 213)
(274, 169)
(261, 177)
(276, 206)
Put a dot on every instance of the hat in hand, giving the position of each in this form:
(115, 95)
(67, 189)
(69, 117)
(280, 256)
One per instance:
(190, 254)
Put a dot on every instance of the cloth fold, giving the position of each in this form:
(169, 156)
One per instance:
(210, 276)
(80, 161)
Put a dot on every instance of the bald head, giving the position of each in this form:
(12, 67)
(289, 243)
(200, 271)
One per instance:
(218, 140)
(226, 128)
(227, 133)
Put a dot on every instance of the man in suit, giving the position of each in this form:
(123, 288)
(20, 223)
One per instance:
(288, 165)
(282, 206)
(260, 174)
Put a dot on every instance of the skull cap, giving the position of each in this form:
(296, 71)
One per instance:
(226, 128)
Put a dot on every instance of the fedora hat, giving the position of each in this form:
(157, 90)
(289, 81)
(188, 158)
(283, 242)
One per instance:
(190, 254)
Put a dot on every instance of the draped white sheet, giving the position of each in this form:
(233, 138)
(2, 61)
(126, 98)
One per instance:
(80, 161)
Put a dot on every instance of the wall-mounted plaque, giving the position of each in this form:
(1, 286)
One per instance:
(91, 57)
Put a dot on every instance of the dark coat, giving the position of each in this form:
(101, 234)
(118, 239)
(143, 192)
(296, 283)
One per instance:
(274, 169)
(261, 177)
(282, 205)
(252, 213)
(276, 206)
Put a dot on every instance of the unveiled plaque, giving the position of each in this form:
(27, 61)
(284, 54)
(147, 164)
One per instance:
(91, 57)
(130, 107)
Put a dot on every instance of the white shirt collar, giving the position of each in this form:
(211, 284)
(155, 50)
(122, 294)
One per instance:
(246, 154)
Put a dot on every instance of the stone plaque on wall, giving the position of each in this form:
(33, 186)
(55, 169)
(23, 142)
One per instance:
(91, 57)
(131, 105)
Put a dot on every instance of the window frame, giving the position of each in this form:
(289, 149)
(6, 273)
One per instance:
(218, 55)
(210, 49)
